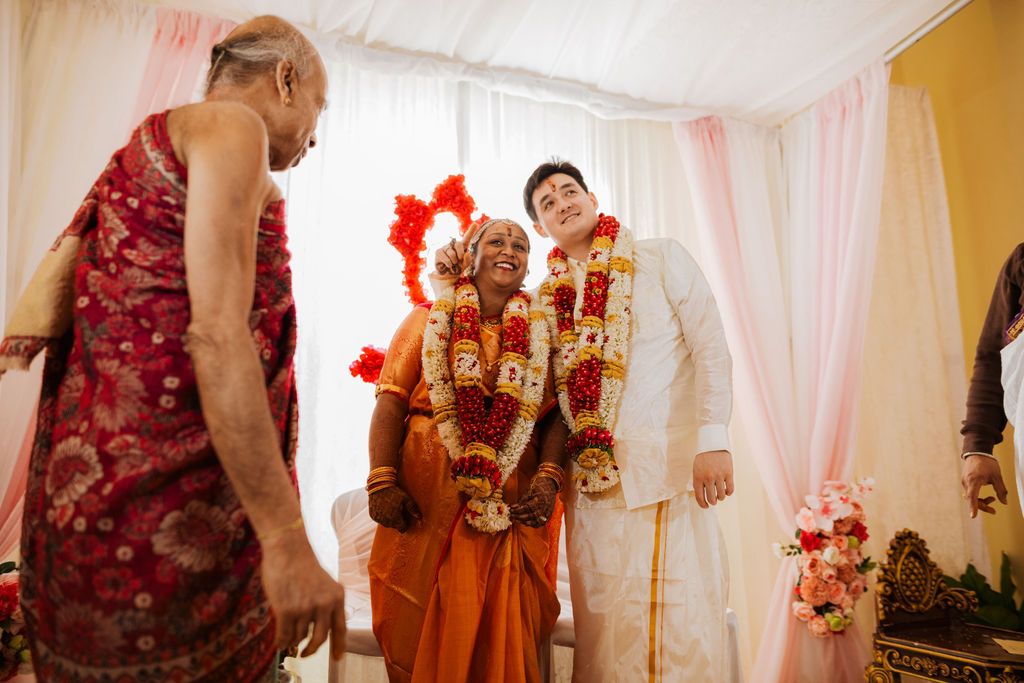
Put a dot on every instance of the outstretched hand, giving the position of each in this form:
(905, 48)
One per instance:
(454, 257)
(712, 477)
(535, 508)
(394, 508)
(978, 471)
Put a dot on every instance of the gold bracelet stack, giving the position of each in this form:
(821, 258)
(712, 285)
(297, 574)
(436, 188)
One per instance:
(290, 526)
(552, 472)
(381, 478)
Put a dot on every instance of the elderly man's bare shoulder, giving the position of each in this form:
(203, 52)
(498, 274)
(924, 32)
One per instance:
(217, 125)
(223, 140)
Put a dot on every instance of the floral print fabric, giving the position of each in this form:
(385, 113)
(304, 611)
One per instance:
(139, 561)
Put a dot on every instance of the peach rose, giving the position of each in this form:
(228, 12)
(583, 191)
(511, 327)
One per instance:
(836, 591)
(805, 520)
(818, 626)
(829, 574)
(847, 572)
(840, 542)
(803, 611)
(846, 602)
(814, 591)
(857, 587)
(853, 556)
(844, 526)
(858, 513)
(810, 565)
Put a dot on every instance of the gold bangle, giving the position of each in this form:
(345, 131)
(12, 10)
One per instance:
(546, 475)
(291, 526)
(383, 468)
(381, 479)
(370, 490)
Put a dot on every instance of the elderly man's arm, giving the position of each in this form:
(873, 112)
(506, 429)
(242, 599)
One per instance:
(224, 147)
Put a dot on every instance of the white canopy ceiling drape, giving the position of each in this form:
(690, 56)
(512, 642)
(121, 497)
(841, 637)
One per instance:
(658, 59)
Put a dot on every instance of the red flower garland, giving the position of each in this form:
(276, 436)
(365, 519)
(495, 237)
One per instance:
(407, 234)
(478, 424)
(369, 364)
(415, 217)
(583, 382)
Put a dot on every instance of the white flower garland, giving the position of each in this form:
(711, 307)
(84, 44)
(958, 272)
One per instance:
(613, 330)
(489, 514)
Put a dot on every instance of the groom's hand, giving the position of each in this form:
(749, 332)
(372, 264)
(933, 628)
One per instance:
(712, 477)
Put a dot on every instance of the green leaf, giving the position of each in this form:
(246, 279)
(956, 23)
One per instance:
(951, 582)
(974, 581)
(866, 565)
(1006, 586)
(998, 616)
(8, 567)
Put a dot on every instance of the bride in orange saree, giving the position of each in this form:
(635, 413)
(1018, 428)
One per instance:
(465, 469)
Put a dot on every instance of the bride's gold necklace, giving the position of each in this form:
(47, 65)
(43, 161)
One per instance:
(491, 323)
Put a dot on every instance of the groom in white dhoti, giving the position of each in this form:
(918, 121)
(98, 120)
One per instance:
(644, 381)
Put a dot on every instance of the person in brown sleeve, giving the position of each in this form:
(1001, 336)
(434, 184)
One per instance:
(985, 420)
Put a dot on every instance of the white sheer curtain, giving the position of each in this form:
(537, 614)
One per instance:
(74, 81)
(794, 297)
(151, 58)
(385, 135)
(913, 370)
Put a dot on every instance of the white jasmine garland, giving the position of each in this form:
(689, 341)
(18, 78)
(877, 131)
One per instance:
(613, 348)
(522, 377)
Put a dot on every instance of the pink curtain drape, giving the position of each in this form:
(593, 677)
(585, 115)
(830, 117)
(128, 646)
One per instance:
(176, 61)
(788, 226)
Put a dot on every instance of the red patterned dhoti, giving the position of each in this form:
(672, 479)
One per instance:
(139, 563)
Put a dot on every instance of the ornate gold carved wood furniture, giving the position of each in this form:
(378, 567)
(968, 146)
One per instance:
(921, 631)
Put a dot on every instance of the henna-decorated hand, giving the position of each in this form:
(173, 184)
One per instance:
(451, 259)
(534, 509)
(394, 508)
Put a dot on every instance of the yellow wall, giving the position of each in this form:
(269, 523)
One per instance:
(973, 68)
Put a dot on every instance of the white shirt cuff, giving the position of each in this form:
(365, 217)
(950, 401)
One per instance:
(712, 438)
(439, 282)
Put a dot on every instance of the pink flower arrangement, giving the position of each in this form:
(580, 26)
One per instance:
(832, 570)
(14, 653)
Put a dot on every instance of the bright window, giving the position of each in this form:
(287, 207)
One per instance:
(384, 135)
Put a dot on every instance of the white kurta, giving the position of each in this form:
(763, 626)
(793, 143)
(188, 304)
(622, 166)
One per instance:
(648, 568)
(1012, 361)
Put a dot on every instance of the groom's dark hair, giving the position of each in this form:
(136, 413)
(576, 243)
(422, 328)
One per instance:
(543, 172)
